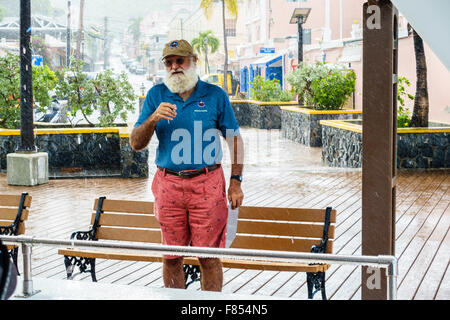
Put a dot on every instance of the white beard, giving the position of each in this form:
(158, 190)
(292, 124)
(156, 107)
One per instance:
(181, 82)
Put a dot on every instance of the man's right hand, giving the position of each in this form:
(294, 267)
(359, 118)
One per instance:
(165, 111)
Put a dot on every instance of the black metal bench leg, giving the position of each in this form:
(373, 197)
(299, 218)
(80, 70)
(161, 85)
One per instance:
(322, 286)
(69, 266)
(309, 282)
(192, 272)
(92, 263)
(316, 282)
(82, 263)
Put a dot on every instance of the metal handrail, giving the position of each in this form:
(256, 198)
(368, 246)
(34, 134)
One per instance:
(388, 262)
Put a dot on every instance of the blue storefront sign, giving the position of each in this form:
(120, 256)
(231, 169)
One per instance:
(37, 60)
(266, 50)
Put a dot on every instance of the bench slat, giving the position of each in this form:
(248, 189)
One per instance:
(7, 200)
(278, 244)
(11, 213)
(283, 229)
(127, 220)
(109, 205)
(139, 235)
(227, 263)
(7, 223)
(285, 214)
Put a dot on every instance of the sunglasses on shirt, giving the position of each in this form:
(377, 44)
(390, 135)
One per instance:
(179, 61)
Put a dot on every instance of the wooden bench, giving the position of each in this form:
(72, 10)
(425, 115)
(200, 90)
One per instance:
(281, 229)
(14, 211)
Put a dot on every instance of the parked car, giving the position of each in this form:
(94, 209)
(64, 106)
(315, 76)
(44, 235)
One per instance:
(159, 76)
(140, 70)
(53, 114)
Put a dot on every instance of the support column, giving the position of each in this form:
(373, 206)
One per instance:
(26, 167)
(379, 140)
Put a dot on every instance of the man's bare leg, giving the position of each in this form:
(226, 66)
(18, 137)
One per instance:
(211, 274)
(173, 274)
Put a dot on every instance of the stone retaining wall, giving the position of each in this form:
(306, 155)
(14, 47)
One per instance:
(260, 115)
(81, 153)
(416, 148)
(303, 125)
(341, 148)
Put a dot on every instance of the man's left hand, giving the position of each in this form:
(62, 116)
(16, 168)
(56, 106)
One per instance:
(235, 194)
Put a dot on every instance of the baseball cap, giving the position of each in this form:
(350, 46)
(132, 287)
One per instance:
(177, 48)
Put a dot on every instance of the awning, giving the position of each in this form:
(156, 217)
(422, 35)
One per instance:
(269, 60)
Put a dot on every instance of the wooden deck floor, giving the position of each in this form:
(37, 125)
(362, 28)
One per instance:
(422, 239)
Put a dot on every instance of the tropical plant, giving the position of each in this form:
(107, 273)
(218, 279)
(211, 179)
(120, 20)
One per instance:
(321, 85)
(204, 43)
(403, 115)
(227, 5)
(115, 97)
(109, 95)
(79, 91)
(268, 90)
(421, 102)
(135, 29)
(44, 82)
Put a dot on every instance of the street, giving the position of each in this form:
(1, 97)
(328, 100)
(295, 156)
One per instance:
(137, 81)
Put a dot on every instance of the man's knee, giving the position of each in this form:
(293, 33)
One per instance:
(173, 263)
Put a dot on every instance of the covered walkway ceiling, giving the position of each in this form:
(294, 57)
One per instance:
(430, 20)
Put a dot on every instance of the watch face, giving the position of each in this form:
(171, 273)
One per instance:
(239, 178)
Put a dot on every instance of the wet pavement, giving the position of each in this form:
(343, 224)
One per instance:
(277, 173)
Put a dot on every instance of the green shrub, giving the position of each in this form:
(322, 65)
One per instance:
(322, 86)
(44, 81)
(403, 115)
(111, 95)
(115, 97)
(268, 90)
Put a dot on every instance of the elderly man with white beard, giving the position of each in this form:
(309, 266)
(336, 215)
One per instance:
(191, 203)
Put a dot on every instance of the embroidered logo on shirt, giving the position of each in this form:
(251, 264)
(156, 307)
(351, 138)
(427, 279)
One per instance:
(201, 104)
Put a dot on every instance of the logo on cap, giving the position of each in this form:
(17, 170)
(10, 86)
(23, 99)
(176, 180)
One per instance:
(174, 44)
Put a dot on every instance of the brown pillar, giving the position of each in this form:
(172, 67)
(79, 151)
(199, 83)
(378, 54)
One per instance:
(379, 140)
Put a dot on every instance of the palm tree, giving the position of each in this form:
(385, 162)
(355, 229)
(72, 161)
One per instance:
(206, 41)
(232, 7)
(421, 101)
(135, 29)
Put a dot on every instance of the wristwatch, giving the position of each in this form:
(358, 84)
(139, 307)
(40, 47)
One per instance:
(238, 178)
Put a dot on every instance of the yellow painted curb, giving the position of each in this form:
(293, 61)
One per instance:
(342, 124)
(263, 103)
(310, 111)
(15, 132)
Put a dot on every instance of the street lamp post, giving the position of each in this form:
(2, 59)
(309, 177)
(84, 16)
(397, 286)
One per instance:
(299, 17)
(26, 166)
(69, 35)
(26, 80)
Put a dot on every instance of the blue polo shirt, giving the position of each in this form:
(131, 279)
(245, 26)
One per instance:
(192, 139)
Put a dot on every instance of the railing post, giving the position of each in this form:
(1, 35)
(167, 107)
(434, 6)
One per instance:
(27, 288)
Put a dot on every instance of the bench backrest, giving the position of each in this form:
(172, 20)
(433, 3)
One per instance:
(283, 229)
(262, 228)
(14, 210)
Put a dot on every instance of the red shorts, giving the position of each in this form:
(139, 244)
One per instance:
(191, 210)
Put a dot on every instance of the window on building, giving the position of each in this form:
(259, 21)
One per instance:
(230, 27)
